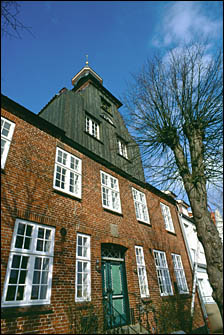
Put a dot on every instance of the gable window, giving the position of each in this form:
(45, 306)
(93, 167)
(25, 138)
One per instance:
(140, 206)
(110, 192)
(167, 217)
(92, 127)
(30, 264)
(162, 273)
(67, 173)
(122, 148)
(179, 273)
(142, 277)
(83, 272)
(7, 129)
(105, 105)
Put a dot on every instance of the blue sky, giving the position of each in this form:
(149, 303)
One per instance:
(118, 37)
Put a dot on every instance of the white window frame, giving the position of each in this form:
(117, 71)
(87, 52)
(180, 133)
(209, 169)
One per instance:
(141, 209)
(30, 277)
(141, 269)
(180, 274)
(6, 139)
(83, 268)
(110, 192)
(163, 274)
(167, 217)
(122, 148)
(68, 173)
(92, 127)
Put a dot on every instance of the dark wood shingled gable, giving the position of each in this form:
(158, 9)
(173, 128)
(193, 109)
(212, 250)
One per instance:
(69, 109)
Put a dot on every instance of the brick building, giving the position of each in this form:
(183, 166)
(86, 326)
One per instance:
(86, 242)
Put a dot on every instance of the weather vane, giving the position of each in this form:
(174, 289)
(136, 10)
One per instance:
(87, 60)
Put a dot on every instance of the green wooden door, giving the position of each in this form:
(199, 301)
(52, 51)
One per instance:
(114, 293)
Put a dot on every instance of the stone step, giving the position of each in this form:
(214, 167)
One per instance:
(128, 329)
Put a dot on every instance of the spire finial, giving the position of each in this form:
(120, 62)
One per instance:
(87, 63)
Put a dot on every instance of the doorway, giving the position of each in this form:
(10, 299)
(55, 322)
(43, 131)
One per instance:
(114, 286)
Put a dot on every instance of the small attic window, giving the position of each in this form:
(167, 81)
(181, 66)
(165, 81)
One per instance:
(105, 105)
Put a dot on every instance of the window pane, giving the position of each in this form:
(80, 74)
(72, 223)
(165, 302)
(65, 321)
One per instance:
(29, 230)
(41, 233)
(36, 277)
(13, 276)
(20, 292)
(38, 261)
(10, 296)
(43, 292)
(21, 229)
(27, 243)
(44, 277)
(19, 242)
(16, 261)
(24, 262)
(35, 292)
(46, 264)
(22, 277)
(39, 245)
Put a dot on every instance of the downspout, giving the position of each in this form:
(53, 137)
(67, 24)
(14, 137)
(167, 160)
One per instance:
(195, 269)
(205, 315)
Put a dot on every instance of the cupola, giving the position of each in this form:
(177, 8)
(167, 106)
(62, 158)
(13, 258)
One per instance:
(84, 72)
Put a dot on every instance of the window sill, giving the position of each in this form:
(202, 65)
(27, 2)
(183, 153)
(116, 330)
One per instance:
(112, 211)
(66, 194)
(145, 223)
(10, 312)
(95, 138)
(127, 159)
(171, 232)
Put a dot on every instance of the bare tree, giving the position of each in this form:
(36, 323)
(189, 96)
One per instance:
(175, 114)
(10, 23)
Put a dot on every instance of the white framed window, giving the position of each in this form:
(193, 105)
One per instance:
(163, 274)
(92, 127)
(7, 129)
(122, 148)
(141, 209)
(142, 277)
(110, 192)
(30, 265)
(83, 268)
(167, 217)
(67, 173)
(180, 274)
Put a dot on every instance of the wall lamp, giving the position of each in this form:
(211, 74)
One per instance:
(97, 266)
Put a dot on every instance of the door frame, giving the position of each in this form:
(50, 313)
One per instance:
(108, 299)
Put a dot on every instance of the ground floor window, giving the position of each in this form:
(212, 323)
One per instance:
(30, 265)
(163, 273)
(83, 271)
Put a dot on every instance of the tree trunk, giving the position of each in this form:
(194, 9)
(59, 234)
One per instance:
(206, 230)
(209, 237)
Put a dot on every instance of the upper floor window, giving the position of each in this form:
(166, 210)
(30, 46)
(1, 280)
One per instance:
(105, 105)
(83, 268)
(92, 127)
(7, 129)
(142, 277)
(122, 148)
(163, 274)
(110, 192)
(30, 264)
(140, 206)
(67, 173)
(179, 273)
(167, 217)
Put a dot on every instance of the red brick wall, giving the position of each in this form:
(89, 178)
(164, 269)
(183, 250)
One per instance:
(27, 193)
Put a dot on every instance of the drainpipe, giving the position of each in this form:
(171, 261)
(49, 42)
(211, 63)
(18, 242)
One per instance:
(194, 280)
(205, 315)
